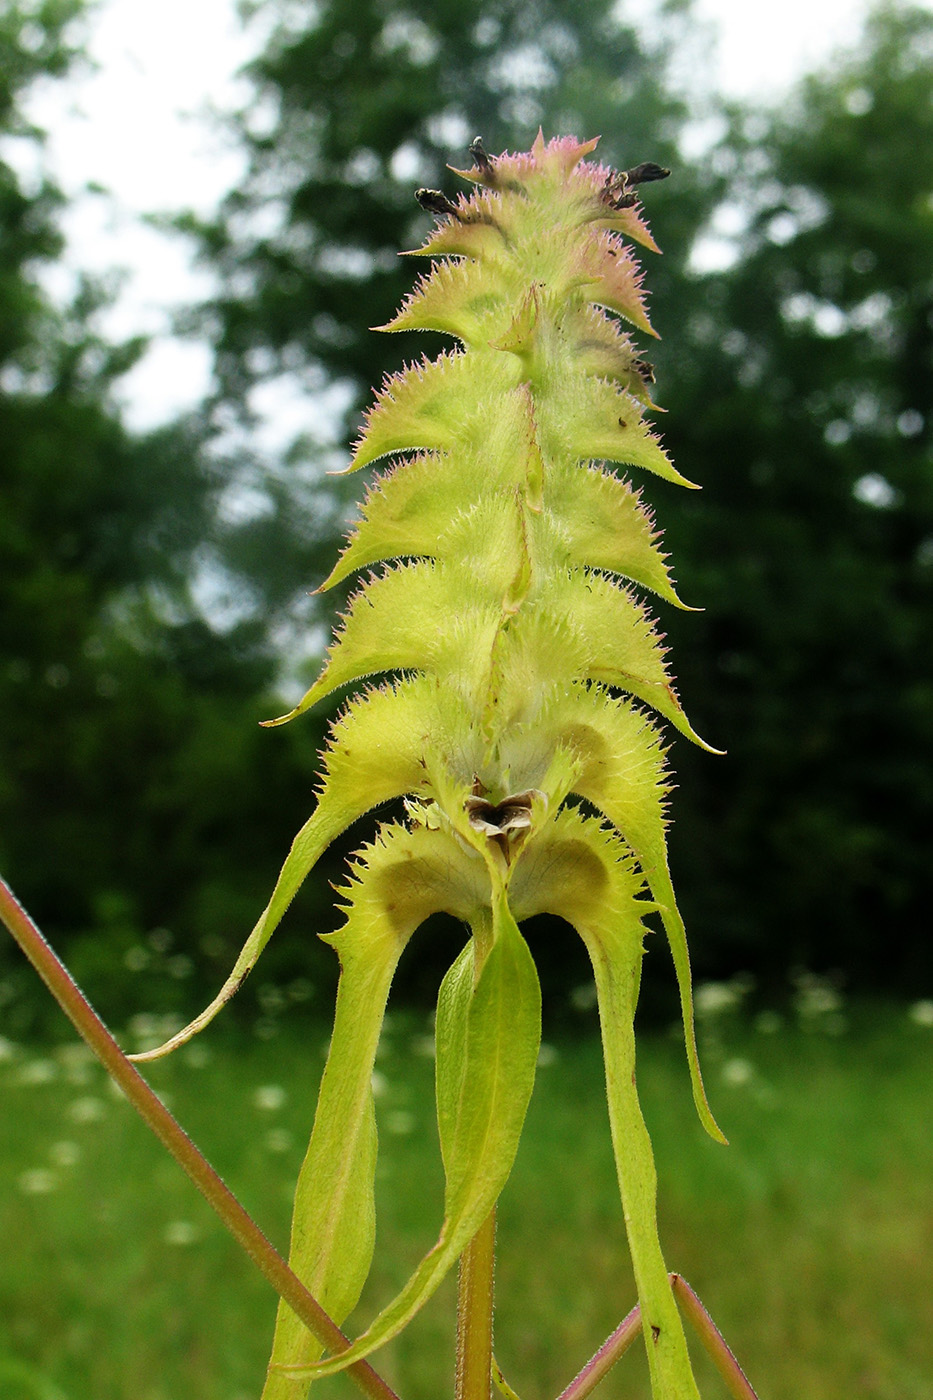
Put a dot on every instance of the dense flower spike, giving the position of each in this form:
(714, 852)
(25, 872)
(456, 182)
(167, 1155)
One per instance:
(527, 672)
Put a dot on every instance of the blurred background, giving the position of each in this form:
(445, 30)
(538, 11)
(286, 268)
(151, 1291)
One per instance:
(184, 354)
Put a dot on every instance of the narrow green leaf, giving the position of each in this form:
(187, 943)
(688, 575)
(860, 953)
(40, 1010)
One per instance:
(405, 876)
(501, 1041)
(616, 955)
(313, 838)
(374, 754)
(623, 774)
(580, 870)
(333, 1228)
(450, 1045)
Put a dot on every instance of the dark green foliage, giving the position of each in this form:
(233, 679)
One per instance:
(136, 788)
(804, 405)
(361, 102)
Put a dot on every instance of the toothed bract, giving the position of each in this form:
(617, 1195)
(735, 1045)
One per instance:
(510, 666)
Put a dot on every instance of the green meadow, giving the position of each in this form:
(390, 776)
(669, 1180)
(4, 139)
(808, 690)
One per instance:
(810, 1238)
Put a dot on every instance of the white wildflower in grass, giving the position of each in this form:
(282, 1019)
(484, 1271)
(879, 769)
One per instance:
(737, 1073)
(400, 1122)
(64, 1153)
(269, 1097)
(38, 1182)
(77, 1061)
(7, 1050)
(815, 998)
(423, 1045)
(715, 998)
(921, 1013)
(547, 1055)
(379, 1084)
(196, 1056)
(278, 1140)
(583, 998)
(271, 998)
(137, 958)
(38, 1072)
(180, 1232)
(87, 1109)
(179, 966)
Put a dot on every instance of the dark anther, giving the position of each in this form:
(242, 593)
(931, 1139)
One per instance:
(507, 822)
(615, 191)
(481, 155)
(646, 172)
(618, 191)
(435, 202)
(644, 369)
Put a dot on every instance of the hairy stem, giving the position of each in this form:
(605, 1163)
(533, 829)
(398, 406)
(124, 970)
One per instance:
(713, 1341)
(474, 1313)
(172, 1136)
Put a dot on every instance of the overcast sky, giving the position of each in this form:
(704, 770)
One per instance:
(136, 125)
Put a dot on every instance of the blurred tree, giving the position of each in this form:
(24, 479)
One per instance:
(356, 103)
(135, 786)
(804, 403)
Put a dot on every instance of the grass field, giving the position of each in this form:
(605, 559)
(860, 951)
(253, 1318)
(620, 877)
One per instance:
(810, 1237)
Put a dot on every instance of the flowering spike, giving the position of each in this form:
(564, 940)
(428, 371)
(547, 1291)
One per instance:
(527, 672)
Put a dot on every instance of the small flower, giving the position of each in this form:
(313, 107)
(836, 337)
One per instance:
(77, 1061)
(400, 1122)
(921, 1013)
(737, 1073)
(547, 1055)
(714, 998)
(38, 1072)
(269, 1097)
(86, 1110)
(278, 1140)
(38, 1182)
(583, 998)
(64, 1153)
(180, 1232)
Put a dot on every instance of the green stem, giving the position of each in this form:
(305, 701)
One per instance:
(172, 1136)
(714, 1342)
(474, 1313)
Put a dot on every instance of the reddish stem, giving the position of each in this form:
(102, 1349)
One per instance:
(715, 1343)
(172, 1136)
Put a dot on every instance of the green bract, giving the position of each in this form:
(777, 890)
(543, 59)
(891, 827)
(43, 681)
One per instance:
(527, 673)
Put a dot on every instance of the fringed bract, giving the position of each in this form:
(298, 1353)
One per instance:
(526, 672)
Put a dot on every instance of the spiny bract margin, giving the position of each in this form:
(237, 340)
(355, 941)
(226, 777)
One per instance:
(526, 669)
